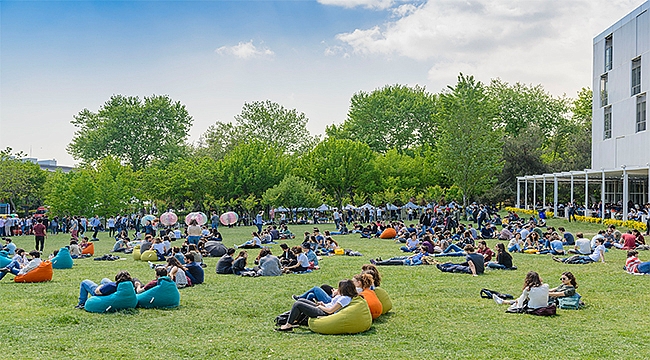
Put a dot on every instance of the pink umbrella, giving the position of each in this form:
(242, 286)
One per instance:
(229, 218)
(168, 218)
(200, 218)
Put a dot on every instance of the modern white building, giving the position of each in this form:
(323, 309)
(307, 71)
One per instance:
(620, 158)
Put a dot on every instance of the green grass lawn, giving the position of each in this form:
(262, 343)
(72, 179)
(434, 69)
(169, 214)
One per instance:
(435, 315)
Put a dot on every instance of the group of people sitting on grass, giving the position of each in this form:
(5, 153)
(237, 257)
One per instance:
(21, 264)
(325, 300)
(297, 259)
(536, 294)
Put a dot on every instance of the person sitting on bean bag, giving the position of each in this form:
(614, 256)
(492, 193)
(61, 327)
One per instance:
(105, 287)
(16, 267)
(194, 271)
(160, 272)
(363, 282)
(342, 297)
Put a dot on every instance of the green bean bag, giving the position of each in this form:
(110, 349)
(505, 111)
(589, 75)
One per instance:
(123, 298)
(352, 319)
(384, 299)
(62, 260)
(149, 255)
(4, 259)
(162, 296)
(136, 252)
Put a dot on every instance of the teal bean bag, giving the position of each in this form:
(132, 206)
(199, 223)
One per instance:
(386, 303)
(149, 255)
(352, 319)
(165, 295)
(62, 260)
(4, 259)
(123, 298)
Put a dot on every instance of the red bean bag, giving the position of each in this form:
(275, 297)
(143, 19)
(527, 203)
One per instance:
(373, 303)
(389, 233)
(42, 273)
(89, 250)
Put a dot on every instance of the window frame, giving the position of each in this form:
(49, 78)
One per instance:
(607, 122)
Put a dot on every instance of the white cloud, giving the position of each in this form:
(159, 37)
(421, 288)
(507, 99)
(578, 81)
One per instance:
(245, 50)
(529, 41)
(369, 4)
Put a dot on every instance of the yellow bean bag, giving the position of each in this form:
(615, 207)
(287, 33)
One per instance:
(531, 251)
(373, 303)
(89, 250)
(386, 303)
(352, 319)
(149, 255)
(136, 252)
(389, 233)
(41, 274)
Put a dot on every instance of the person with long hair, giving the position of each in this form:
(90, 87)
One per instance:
(504, 259)
(372, 270)
(534, 295)
(363, 282)
(254, 243)
(567, 288)
(239, 264)
(341, 298)
(193, 232)
(176, 272)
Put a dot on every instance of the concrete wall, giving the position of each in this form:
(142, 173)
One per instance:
(630, 39)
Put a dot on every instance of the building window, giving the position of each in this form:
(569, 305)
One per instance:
(603, 90)
(607, 123)
(641, 115)
(636, 76)
(608, 53)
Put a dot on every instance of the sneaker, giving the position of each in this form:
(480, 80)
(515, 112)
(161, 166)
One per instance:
(235, 246)
(151, 265)
(295, 297)
(372, 261)
(555, 258)
(79, 306)
(497, 299)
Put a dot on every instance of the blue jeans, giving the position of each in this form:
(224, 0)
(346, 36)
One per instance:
(407, 249)
(88, 287)
(452, 248)
(455, 268)
(13, 267)
(514, 247)
(316, 293)
(259, 228)
(193, 240)
(644, 267)
(495, 265)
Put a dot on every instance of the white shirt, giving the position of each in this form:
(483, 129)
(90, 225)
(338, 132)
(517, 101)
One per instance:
(584, 247)
(303, 260)
(340, 299)
(537, 297)
(596, 255)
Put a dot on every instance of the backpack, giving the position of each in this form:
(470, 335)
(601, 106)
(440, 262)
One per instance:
(569, 302)
(284, 317)
(543, 311)
(487, 294)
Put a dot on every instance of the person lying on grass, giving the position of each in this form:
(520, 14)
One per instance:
(474, 265)
(105, 287)
(254, 243)
(634, 266)
(341, 298)
(567, 288)
(534, 295)
(598, 254)
(412, 260)
(19, 264)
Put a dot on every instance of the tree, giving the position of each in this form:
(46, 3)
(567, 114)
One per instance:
(340, 167)
(393, 117)
(271, 122)
(132, 130)
(292, 192)
(74, 193)
(21, 181)
(469, 146)
(218, 140)
(115, 186)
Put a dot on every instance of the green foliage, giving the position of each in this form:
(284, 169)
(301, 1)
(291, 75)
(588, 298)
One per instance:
(133, 130)
(218, 140)
(470, 142)
(292, 192)
(393, 117)
(340, 167)
(21, 182)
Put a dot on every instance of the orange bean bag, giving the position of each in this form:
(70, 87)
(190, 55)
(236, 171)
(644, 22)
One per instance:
(388, 233)
(89, 250)
(373, 303)
(42, 273)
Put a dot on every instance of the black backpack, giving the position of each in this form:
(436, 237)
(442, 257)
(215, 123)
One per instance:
(284, 317)
(487, 294)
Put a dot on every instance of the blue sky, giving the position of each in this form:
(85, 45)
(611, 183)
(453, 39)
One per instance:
(57, 58)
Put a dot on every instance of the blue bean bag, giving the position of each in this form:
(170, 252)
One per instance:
(123, 298)
(165, 295)
(62, 260)
(4, 259)
(352, 319)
